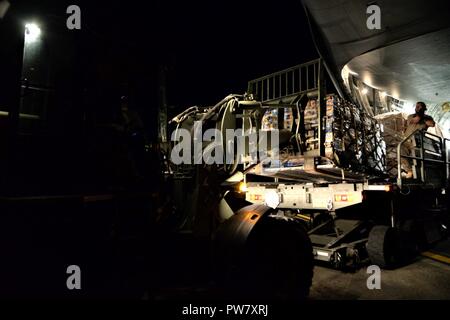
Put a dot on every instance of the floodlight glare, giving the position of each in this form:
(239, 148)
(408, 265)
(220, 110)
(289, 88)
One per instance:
(32, 32)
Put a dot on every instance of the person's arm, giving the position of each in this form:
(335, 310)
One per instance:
(415, 119)
(429, 122)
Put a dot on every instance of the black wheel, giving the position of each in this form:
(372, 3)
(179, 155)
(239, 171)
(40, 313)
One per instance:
(381, 246)
(411, 238)
(279, 261)
(260, 257)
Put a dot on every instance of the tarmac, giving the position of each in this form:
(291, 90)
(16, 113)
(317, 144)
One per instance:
(425, 278)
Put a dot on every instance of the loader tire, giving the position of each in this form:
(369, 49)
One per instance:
(270, 259)
(381, 246)
(281, 261)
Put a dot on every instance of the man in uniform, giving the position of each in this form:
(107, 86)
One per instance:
(416, 121)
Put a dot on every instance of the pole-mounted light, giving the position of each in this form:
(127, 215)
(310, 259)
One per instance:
(32, 32)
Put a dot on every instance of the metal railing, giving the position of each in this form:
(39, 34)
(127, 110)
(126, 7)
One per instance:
(442, 143)
(296, 80)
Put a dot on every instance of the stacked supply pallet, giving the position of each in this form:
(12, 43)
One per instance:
(352, 139)
(311, 118)
(393, 125)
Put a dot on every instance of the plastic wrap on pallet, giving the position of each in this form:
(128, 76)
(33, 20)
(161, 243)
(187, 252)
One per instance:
(311, 117)
(288, 119)
(393, 126)
(353, 140)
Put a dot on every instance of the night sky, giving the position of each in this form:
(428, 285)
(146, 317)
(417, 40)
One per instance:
(210, 48)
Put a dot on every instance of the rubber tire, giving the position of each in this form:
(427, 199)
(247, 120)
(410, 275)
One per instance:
(280, 261)
(382, 246)
(411, 238)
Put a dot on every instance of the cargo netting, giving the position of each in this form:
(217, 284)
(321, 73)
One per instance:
(353, 139)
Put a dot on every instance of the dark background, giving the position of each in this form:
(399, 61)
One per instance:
(208, 48)
(205, 49)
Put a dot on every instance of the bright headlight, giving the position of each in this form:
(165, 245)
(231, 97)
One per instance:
(272, 199)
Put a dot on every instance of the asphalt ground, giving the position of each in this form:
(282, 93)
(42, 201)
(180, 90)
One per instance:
(425, 278)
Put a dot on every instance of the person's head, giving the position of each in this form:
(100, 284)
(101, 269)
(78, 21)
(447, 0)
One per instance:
(124, 103)
(421, 107)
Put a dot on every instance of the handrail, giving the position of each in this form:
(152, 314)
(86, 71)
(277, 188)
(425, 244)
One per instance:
(442, 144)
(287, 70)
(447, 160)
(286, 83)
